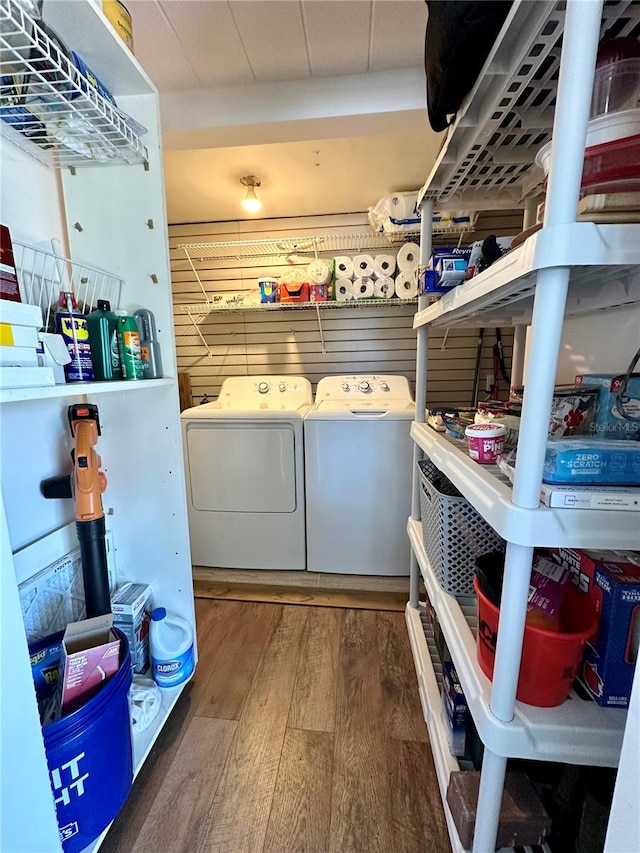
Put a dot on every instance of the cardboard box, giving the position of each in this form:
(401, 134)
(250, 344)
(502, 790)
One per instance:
(132, 605)
(591, 497)
(455, 709)
(612, 583)
(90, 655)
(608, 423)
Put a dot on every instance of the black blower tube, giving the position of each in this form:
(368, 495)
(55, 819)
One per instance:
(93, 553)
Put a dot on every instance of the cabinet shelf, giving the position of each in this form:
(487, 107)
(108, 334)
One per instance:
(57, 115)
(490, 493)
(604, 261)
(80, 389)
(578, 730)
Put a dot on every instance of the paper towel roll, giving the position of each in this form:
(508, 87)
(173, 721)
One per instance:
(409, 257)
(363, 287)
(319, 272)
(407, 284)
(383, 287)
(344, 290)
(344, 266)
(384, 265)
(363, 266)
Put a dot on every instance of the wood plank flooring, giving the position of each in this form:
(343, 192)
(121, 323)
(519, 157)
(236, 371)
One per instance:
(301, 732)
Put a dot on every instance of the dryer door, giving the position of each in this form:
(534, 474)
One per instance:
(242, 467)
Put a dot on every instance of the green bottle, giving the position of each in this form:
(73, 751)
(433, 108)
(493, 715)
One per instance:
(105, 351)
(130, 351)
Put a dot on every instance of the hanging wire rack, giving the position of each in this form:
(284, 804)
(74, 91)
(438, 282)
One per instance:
(50, 108)
(42, 274)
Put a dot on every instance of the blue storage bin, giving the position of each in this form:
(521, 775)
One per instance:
(90, 756)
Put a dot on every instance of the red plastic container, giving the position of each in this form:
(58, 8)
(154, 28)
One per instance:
(550, 660)
(612, 162)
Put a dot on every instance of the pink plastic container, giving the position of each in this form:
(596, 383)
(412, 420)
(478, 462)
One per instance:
(486, 442)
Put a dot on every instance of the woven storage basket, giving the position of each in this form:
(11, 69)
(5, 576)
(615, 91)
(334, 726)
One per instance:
(452, 531)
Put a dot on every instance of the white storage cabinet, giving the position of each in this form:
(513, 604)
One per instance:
(113, 217)
(567, 269)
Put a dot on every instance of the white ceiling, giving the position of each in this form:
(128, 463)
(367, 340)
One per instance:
(303, 93)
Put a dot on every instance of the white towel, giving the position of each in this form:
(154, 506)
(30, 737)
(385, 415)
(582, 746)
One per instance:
(384, 265)
(383, 287)
(344, 266)
(407, 285)
(409, 257)
(344, 290)
(363, 266)
(319, 272)
(363, 287)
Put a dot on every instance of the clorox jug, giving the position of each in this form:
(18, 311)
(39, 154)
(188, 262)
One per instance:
(171, 641)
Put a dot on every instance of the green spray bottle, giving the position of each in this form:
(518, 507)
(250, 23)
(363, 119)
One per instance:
(103, 337)
(130, 351)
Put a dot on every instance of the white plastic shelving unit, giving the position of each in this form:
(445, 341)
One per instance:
(566, 269)
(114, 218)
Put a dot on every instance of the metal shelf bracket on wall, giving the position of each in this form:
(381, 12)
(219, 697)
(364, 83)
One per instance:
(201, 336)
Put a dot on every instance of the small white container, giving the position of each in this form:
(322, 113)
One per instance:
(486, 442)
(171, 644)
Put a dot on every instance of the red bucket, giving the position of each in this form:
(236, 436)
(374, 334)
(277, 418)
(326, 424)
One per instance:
(550, 659)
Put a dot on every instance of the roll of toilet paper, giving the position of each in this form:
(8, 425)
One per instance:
(409, 257)
(407, 284)
(363, 266)
(384, 265)
(344, 290)
(319, 272)
(295, 276)
(363, 287)
(344, 266)
(383, 287)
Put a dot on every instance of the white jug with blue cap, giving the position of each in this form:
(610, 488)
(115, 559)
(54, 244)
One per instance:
(171, 641)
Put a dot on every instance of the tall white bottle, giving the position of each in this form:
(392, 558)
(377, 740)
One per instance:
(171, 641)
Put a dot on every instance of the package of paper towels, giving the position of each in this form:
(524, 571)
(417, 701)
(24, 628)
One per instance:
(363, 266)
(383, 287)
(409, 257)
(319, 272)
(343, 266)
(407, 285)
(363, 287)
(344, 290)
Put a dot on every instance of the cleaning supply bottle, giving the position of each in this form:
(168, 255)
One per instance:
(129, 344)
(71, 324)
(171, 644)
(105, 352)
(151, 355)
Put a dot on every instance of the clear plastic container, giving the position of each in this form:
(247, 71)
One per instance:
(616, 86)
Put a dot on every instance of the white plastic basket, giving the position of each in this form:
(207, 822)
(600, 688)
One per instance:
(452, 531)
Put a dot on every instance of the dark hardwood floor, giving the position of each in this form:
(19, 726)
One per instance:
(301, 732)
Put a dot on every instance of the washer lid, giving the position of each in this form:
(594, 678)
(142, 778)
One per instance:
(364, 408)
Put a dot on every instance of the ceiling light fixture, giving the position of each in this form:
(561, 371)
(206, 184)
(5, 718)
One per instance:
(251, 202)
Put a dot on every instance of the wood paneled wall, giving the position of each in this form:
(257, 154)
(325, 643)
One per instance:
(371, 339)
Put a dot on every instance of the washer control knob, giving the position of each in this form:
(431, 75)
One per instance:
(282, 386)
(345, 386)
(263, 387)
(384, 386)
(364, 386)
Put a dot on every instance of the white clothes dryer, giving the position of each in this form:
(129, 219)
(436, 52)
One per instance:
(244, 462)
(358, 462)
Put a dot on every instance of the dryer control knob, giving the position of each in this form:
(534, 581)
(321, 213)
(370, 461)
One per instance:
(345, 386)
(364, 386)
(384, 386)
(282, 386)
(263, 387)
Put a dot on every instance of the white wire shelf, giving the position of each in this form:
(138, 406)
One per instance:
(215, 308)
(604, 263)
(306, 245)
(578, 730)
(487, 159)
(42, 274)
(50, 109)
(489, 492)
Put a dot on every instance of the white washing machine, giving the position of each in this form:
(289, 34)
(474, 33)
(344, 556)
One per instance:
(244, 460)
(358, 462)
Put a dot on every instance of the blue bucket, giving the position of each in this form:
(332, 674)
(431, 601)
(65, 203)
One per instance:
(90, 756)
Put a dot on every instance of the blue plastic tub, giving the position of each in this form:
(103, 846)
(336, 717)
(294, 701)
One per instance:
(90, 756)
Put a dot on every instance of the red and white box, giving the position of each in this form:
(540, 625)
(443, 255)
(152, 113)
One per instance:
(90, 656)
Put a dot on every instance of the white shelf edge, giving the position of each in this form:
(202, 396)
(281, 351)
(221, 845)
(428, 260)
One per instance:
(575, 729)
(581, 245)
(143, 743)
(540, 527)
(80, 389)
(332, 304)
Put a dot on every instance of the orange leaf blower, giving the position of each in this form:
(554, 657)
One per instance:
(85, 485)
